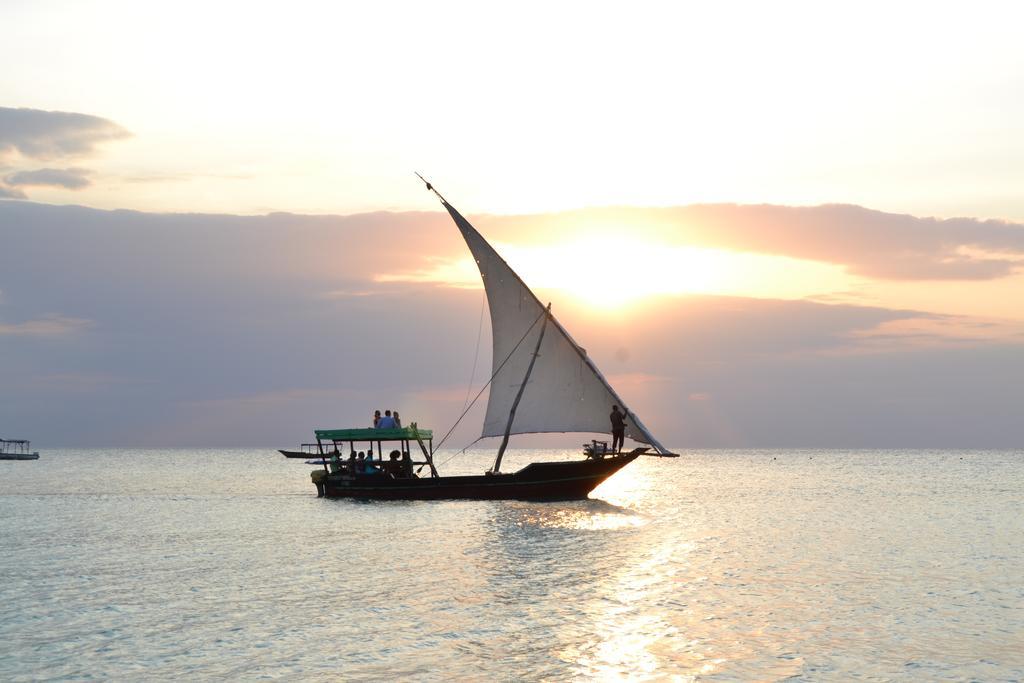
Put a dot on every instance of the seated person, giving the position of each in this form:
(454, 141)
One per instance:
(406, 464)
(394, 466)
(387, 422)
(368, 466)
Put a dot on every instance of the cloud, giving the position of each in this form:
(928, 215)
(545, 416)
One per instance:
(38, 134)
(49, 326)
(870, 243)
(68, 178)
(709, 330)
(255, 331)
(184, 177)
(11, 193)
(75, 382)
(924, 330)
(633, 380)
(344, 294)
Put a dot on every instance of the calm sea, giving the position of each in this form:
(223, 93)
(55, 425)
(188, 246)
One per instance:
(720, 565)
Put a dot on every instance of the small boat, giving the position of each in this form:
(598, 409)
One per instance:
(17, 449)
(306, 451)
(541, 381)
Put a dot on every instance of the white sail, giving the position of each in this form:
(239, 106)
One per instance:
(566, 392)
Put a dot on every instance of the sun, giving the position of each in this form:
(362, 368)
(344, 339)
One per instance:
(609, 272)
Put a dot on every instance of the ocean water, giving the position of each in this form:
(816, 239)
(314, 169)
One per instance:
(720, 565)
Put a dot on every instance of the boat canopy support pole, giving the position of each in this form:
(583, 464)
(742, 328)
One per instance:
(522, 388)
(323, 458)
(426, 454)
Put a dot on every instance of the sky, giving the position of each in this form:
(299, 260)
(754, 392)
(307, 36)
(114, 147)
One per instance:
(784, 224)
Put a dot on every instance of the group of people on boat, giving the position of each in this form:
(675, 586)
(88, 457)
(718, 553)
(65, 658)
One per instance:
(388, 421)
(398, 465)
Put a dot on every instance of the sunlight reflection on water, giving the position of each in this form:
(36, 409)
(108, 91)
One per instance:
(596, 516)
(720, 565)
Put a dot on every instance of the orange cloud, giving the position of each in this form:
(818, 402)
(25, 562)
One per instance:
(870, 243)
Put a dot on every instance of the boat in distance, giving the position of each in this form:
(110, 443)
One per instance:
(17, 449)
(305, 452)
(563, 390)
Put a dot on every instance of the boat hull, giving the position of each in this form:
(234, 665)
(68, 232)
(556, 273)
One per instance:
(19, 456)
(570, 480)
(305, 455)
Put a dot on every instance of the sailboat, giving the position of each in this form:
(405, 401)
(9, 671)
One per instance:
(542, 381)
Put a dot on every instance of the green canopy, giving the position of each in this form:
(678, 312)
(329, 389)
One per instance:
(371, 434)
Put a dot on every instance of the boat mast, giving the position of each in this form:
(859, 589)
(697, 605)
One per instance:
(522, 387)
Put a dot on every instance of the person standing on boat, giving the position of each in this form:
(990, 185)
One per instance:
(618, 428)
(386, 422)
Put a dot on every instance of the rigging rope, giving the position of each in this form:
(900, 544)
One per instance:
(525, 334)
(476, 354)
(462, 452)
